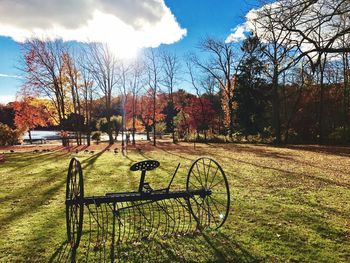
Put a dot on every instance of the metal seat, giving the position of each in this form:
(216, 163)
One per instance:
(144, 166)
(147, 165)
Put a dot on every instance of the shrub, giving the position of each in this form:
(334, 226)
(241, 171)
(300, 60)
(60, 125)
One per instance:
(96, 136)
(8, 136)
(340, 135)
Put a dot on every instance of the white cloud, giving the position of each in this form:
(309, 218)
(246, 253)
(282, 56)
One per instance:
(237, 33)
(6, 99)
(10, 76)
(125, 25)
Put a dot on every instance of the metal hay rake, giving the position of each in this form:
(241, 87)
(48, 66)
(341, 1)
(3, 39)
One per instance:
(123, 216)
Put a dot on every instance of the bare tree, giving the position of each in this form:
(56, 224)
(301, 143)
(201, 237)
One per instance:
(124, 76)
(72, 77)
(153, 69)
(135, 84)
(103, 66)
(223, 68)
(87, 92)
(171, 68)
(279, 51)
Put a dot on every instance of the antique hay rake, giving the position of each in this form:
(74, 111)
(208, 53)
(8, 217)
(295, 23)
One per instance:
(147, 212)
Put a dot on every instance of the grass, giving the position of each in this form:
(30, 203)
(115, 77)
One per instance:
(288, 204)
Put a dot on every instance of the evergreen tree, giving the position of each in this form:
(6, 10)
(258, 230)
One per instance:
(252, 91)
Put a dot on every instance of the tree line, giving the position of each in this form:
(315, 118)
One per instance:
(287, 82)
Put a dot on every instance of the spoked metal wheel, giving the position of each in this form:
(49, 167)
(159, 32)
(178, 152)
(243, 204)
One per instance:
(210, 210)
(75, 209)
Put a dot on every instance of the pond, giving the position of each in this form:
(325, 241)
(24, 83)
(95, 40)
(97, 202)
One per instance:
(55, 135)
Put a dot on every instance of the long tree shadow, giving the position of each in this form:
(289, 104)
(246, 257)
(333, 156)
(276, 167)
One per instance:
(209, 247)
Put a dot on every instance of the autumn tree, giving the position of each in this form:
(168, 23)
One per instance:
(147, 114)
(44, 67)
(30, 114)
(200, 114)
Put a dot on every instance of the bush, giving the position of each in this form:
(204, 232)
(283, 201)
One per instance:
(96, 136)
(8, 136)
(341, 135)
(160, 128)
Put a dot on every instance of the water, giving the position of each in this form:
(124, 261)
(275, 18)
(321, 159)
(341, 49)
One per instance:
(55, 135)
(42, 135)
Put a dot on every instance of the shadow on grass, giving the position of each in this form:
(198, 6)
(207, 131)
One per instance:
(32, 204)
(206, 247)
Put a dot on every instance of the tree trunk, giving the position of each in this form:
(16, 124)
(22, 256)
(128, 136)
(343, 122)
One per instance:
(30, 136)
(320, 116)
(147, 133)
(276, 107)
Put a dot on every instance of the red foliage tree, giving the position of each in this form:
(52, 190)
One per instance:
(144, 110)
(201, 114)
(30, 114)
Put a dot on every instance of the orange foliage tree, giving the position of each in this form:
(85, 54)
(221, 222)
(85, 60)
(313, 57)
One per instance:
(143, 110)
(30, 113)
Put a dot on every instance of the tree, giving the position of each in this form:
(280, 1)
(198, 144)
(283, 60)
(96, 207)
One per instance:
(200, 114)
(147, 114)
(252, 93)
(103, 66)
(153, 76)
(43, 65)
(29, 114)
(44, 70)
(115, 125)
(222, 67)
(161, 127)
(135, 87)
(280, 52)
(171, 67)
(72, 77)
(87, 90)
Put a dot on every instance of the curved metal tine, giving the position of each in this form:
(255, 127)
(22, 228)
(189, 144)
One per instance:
(119, 224)
(132, 224)
(158, 229)
(179, 209)
(90, 235)
(181, 216)
(168, 218)
(128, 227)
(112, 252)
(106, 228)
(174, 216)
(124, 222)
(151, 220)
(189, 218)
(186, 217)
(184, 213)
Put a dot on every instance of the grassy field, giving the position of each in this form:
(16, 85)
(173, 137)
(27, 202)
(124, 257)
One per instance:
(288, 204)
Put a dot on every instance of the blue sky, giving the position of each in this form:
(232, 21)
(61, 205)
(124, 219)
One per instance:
(199, 18)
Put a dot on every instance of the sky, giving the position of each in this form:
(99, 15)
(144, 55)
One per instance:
(127, 26)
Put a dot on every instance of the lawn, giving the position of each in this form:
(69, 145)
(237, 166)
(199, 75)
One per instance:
(289, 204)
